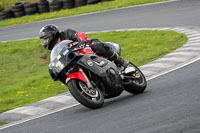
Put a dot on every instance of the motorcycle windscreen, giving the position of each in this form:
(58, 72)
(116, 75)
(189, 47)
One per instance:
(58, 58)
(58, 48)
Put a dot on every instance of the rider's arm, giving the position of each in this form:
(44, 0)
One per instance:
(74, 35)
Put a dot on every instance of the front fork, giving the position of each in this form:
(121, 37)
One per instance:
(80, 74)
(89, 84)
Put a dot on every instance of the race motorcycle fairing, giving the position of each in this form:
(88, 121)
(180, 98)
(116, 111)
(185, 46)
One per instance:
(91, 78)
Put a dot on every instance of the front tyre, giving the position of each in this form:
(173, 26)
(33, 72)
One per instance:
(91, 98)
(137, 80)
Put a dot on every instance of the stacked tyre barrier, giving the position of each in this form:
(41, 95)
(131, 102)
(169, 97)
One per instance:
(43, 6)
(18, 9)
(79, 3)
(106, 0)
(21, 8)
(93, 1)
(55, 5)
(31, 8)
(6, 14)
(68, 4)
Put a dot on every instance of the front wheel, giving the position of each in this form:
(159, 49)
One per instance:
(89, 97)
(137, 81)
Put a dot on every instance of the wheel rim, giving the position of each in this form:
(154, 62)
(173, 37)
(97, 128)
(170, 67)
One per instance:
(91, 94)
(138, 76)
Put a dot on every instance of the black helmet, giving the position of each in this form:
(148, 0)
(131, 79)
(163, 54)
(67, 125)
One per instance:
(49, 35)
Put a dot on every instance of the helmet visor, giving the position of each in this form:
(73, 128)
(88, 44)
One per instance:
(45, 41)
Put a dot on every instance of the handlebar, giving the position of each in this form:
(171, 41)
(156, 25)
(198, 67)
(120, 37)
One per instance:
(79, 46)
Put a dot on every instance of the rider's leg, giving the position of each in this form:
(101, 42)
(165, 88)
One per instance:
(104, 50)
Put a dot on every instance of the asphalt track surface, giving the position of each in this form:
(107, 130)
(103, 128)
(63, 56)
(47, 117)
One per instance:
(179, 13)
(171, 103)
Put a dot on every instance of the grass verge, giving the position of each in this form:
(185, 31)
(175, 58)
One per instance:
(24, 76)
(1, 124)
(75, 11)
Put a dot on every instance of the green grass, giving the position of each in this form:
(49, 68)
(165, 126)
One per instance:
(142, 47)
(24, 76)
(1, 124)
(75, 11)
(7, 3)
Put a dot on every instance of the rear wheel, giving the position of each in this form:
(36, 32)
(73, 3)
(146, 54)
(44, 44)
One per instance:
(89, 97)
(137, 80)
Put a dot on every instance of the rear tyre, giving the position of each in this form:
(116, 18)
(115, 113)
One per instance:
(138, 84)
(91, 98)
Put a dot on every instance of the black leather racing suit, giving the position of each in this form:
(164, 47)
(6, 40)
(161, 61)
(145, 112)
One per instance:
(100, 48)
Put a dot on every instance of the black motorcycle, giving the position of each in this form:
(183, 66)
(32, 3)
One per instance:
(91, 78)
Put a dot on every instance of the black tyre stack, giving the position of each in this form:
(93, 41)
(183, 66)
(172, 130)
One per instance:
(68, 4)
(21, 8)
(55, 5)
(5, 14)
(18, 8)
(93, 1)
(106, 0)
(43, 6)
(80, 3)
(1, 8)
(31, 8)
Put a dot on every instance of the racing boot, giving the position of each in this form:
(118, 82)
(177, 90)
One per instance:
(120, 62)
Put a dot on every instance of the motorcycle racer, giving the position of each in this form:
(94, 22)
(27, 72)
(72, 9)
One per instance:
(50, 36)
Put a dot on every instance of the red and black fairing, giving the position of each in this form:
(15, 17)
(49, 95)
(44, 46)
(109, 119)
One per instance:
(64, 58)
